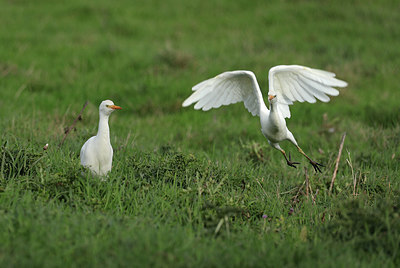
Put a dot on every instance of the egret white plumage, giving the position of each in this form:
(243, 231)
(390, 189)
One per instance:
(97, 153)
(287, 84)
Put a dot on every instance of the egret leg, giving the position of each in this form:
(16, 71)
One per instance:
(289, 161)
(313, 163)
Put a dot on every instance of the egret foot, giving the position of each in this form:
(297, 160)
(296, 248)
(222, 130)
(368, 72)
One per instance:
(289, 161)
(316, 166)
(313, 163)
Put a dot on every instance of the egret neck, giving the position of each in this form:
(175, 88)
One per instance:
(103, 132)
(274, 115)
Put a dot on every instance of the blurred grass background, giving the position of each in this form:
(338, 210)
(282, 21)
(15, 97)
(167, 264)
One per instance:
(146, 56)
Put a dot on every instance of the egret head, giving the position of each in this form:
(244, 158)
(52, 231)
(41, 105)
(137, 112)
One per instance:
(107, 107)
(272, 98)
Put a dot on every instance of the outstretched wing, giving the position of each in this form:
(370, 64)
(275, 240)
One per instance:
(292, 83)
(225, 89)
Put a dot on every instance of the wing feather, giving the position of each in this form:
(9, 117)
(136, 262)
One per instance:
(292, 83)
(213, 100)
(320, 87)
(286, 91)
(287, 86)
(301, 90)
(324, 80)
(227, 88)
(313, 88)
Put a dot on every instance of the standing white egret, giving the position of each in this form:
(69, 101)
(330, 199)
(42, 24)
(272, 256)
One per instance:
(287, 84)
(96, 154)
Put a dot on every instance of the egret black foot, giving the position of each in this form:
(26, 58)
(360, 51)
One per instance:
(290, 163)
(316, 166)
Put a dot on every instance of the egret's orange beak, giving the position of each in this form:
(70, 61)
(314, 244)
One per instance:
(270, 97)
(115, 107)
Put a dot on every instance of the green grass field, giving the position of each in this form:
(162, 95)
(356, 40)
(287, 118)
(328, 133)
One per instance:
(191, 188)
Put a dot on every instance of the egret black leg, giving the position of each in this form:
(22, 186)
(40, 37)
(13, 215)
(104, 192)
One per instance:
(313, 163)
(289, 161)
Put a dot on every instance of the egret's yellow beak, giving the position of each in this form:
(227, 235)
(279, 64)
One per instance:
(115, 107)
(270, 97)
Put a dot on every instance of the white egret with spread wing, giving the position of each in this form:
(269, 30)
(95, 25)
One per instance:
(287, 84)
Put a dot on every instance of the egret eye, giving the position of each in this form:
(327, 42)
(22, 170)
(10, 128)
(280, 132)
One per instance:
(107, 105)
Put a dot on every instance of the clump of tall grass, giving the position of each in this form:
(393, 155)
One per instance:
(16, 160)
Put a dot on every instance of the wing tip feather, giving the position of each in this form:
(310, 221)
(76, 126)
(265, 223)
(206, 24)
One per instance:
(186, 103)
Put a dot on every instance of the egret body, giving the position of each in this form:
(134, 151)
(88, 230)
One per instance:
(97, 153)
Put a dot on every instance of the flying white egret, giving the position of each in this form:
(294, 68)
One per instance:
(96, 154)
(287, 84)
